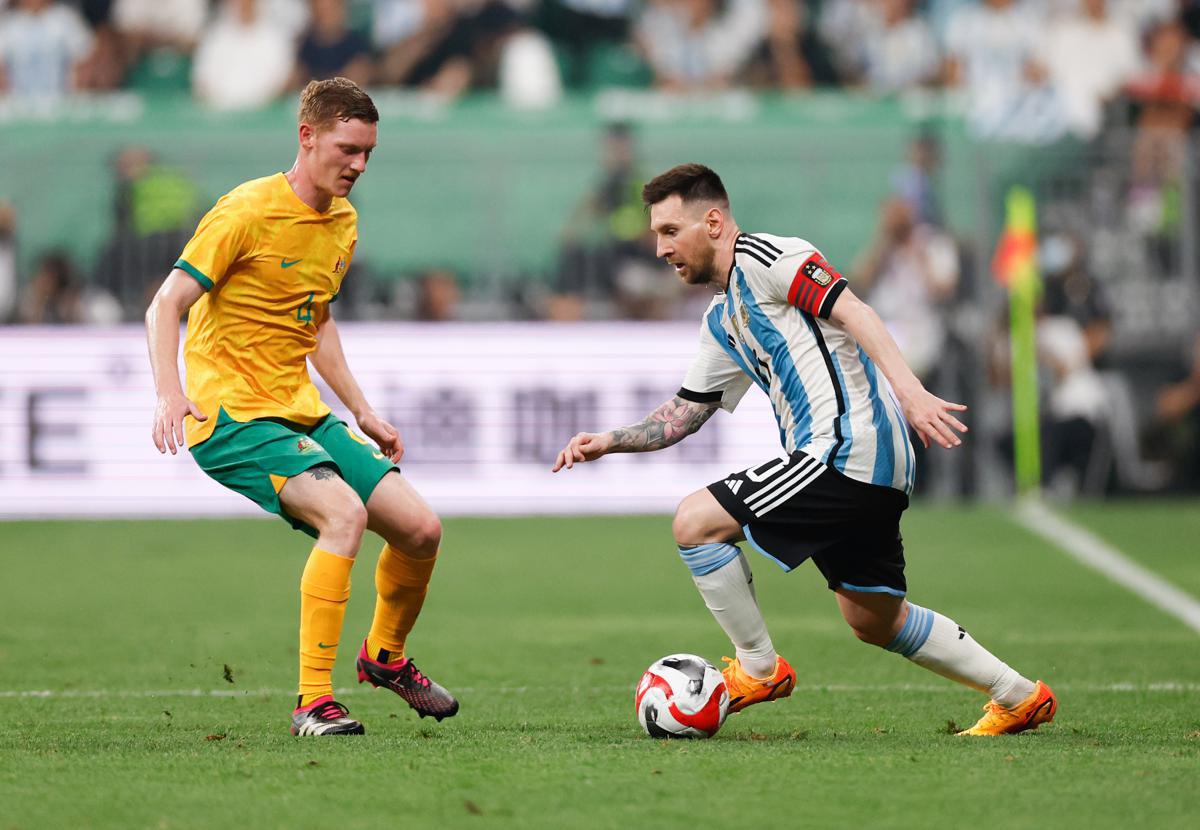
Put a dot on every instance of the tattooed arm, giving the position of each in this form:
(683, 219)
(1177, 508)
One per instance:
(669, 424)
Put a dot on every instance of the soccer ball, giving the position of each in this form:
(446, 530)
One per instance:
(681, 696)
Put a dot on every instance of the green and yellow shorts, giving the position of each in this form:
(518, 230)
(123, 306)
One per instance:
(256, 458)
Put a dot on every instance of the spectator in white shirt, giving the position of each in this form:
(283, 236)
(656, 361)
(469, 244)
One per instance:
(843, 26)
(244, 60)
(42, 47)
(900, 50)
(697, 44)
(1090, 55)
(1141, 14)
(993, 52)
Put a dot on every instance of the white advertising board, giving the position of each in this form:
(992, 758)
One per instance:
(483, 410)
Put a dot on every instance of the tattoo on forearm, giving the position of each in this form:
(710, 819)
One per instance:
(322, 472)
(669, 424)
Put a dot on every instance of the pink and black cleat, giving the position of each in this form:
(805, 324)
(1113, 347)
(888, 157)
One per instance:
(424, 695)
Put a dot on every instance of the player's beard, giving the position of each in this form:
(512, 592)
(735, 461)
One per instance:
(705, 270)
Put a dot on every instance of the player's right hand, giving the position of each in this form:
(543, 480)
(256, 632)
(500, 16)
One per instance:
(586, 446)
(169, 413)
(933, 418)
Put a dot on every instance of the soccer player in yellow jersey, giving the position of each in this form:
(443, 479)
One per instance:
(256, 281)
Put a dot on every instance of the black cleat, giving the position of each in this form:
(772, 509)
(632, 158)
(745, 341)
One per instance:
(403, 678)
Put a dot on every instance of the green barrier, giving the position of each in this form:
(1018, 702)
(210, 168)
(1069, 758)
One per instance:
(479, 188)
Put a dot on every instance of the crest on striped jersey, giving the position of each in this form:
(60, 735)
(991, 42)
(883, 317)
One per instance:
(817, 270)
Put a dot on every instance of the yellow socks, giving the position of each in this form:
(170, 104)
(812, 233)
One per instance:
(324, 590)
(400, 581)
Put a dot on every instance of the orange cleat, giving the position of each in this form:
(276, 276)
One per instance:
(745, 690)
(1030, 713)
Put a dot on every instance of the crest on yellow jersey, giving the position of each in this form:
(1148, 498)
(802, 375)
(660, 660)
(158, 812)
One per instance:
(341, 265)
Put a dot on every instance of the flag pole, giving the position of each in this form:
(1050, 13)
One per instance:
(1016, 266)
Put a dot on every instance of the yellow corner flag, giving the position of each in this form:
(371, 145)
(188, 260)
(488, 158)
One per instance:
(1015, 266)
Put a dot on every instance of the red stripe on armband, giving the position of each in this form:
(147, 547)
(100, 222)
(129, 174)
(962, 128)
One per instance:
(812, 282)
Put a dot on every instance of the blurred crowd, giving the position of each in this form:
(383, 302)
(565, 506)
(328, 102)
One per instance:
(1030, 69)
(912, 269)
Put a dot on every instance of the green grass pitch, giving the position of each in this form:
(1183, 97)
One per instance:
(166, 652)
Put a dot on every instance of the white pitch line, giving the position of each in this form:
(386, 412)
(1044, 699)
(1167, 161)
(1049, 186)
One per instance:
(69, 694)
(1094, 552)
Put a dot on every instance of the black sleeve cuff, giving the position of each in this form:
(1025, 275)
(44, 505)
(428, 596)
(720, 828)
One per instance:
(700, 397)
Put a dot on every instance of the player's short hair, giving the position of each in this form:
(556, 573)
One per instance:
(691, 182)
(335, 99)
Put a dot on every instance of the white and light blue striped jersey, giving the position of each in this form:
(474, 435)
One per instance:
(771, 328)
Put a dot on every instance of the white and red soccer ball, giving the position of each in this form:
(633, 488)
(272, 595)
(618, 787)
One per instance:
(681, 696)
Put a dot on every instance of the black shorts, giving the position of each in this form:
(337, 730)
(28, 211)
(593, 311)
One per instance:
(797, 508)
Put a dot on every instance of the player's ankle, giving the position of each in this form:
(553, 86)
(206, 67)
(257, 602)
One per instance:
(758, 666)
(307, 699)
(383, 652)
(1011, 690)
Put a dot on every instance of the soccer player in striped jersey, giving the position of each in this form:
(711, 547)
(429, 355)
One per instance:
(257, 281)
(784, 320)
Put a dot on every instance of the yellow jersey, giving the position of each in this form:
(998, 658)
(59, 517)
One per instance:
(270, 266)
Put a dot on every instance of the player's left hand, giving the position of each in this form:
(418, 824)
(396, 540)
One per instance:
(933, 418)
(586, 446)
(383, 434)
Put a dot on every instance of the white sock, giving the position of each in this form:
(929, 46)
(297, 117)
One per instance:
(723, 577)
(941, 645)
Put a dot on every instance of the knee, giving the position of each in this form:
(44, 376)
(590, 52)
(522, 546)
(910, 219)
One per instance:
(426, 536)
(691, 525)
(346, 523)
(683, 526)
